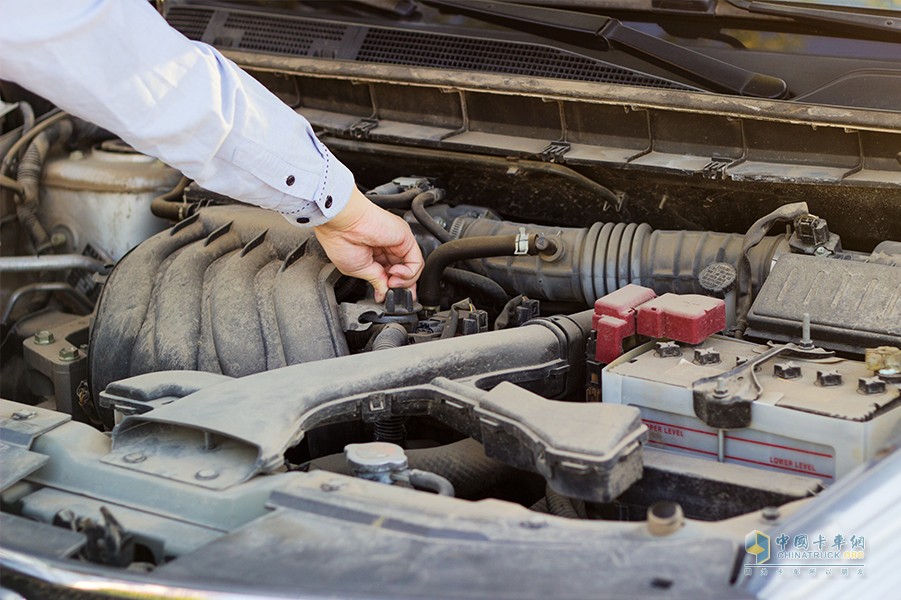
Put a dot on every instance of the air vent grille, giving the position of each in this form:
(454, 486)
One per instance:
(190, 22)
(281, 35)
(294, 36)
(496, 56)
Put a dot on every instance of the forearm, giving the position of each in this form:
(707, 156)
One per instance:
(118, 64)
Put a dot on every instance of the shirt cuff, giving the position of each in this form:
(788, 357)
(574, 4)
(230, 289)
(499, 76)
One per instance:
(336, 184)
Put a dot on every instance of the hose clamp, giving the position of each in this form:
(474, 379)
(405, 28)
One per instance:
(521, 243)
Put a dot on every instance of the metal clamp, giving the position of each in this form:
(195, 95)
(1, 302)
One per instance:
(521, 243)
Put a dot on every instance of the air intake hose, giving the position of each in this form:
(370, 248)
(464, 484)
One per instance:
(591, 262)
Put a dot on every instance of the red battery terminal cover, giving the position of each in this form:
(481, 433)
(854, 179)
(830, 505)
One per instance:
(614, 319)
(687, 318)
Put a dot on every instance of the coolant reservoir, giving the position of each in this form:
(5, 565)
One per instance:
(100, 199)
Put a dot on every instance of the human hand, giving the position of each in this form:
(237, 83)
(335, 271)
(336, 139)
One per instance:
(370, 243)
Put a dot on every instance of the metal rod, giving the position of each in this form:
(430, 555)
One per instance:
(34, 288)
(53, 262)
(720, 445)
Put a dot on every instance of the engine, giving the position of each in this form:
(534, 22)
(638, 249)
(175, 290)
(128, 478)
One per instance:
(585, 372)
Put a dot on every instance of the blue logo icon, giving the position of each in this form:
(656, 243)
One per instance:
(757, 543)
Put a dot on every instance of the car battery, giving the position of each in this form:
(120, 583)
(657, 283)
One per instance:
(818, 417)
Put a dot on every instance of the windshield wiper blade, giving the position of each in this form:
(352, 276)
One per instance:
(711, 71)
(837, 17)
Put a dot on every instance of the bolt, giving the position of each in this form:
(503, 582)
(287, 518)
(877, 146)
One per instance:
(668, 349)
(706, 356)
(135, 457)
(829, 378)
(58, 239)
(722, 388)
(770, 513)
(23, 415)
(43, 337)
(806, 342)
(786, 370)
(665, 518)
(68, 353)
(870, 385)
(821, 251)
(332, 486)
(533, 523)
(206, 474)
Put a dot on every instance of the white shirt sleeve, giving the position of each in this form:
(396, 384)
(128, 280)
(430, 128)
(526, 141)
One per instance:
(118, 64)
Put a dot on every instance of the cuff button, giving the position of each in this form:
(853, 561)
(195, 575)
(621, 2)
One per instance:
(328, 201)
(290, 180)
(303, 220)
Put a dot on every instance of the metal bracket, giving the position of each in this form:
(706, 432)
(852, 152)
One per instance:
(724, 401)
(555, 151)
(362, 128)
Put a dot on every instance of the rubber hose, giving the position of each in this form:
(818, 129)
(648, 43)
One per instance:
(463, 463)
(29, 177)
(484, 285)
(170, 206)
(424, 480)
(422, 200)
(754, 236)
(391, 336)
(399, 200)
(391, 429)
(457, 250)
(562, 506)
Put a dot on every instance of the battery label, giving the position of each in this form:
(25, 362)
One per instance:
(750, 448)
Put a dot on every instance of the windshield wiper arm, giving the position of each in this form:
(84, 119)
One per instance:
(838, 17)
(716, 73)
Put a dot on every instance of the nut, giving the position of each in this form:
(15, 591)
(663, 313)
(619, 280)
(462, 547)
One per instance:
(668, 349)
(770, 513)
(786, 370)
(829, 378)
(706, 356)
(69, 353)
(43, 337)
(134, 457)
(206, 474)
(870, 385)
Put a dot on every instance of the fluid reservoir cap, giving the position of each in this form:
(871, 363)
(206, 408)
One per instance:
(375, 458)
(718, 279)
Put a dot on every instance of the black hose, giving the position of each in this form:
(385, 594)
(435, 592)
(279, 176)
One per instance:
(463, 463)
(420, 202)
(754, 236)
(562, 506)
(398, 200)
(473, 281)
(457, 250)
(391, 429)
(391, 336)
(171, 205)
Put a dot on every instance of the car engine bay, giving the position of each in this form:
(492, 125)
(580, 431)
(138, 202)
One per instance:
(634, 340)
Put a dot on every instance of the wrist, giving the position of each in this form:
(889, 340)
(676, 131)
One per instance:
(353, 212)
